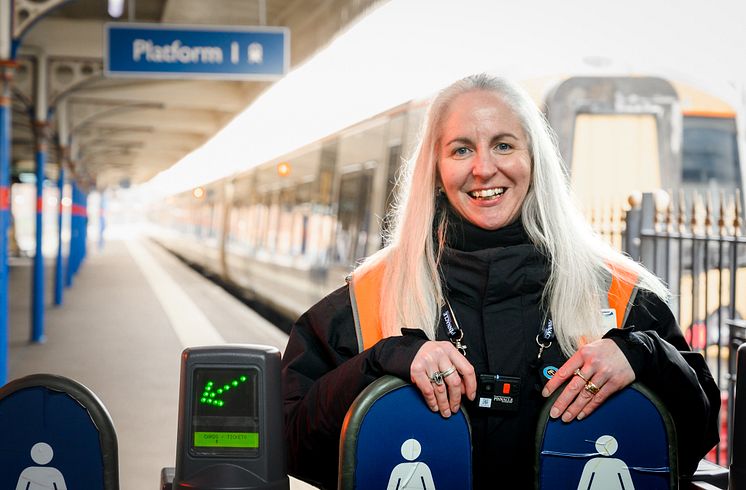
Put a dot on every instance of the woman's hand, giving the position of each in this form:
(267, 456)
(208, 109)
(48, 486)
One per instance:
(440, 357)
(601, 364)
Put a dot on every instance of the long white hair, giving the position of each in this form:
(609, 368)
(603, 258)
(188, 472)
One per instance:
(411, 293)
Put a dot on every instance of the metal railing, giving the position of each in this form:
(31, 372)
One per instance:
(695, 244)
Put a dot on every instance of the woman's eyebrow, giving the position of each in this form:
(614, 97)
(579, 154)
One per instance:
(505, 135)
(459, 139)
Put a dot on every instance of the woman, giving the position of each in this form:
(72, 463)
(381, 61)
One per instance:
(486, 239)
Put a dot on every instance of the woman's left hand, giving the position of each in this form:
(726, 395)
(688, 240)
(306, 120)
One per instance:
(602, 365)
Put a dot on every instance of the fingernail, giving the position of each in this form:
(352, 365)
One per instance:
(446, 413)
(581, 416)
(434, 408)
(455, 408)
(554, 412)
(473, 396)
(566, 417)
(545, 392)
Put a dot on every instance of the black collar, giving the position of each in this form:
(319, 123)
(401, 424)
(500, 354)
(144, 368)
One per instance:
(464, 236)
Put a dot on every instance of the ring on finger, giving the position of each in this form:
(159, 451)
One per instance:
(591, 388)
(448, 372)
(580, 375)
(437, 378)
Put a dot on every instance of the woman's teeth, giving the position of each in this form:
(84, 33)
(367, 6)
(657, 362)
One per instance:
(487, 193)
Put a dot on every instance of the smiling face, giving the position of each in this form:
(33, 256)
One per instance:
(484, 161)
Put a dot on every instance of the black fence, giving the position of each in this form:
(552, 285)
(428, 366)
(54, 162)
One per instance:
(695, 244)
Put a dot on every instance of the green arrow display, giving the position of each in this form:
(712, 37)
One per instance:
(212, 394)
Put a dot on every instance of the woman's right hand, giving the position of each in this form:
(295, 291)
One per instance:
(440, 356)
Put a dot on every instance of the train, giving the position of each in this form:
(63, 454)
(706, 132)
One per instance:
(289, 231)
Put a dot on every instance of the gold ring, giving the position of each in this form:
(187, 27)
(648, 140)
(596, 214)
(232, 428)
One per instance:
(580, 375)
(591, 388)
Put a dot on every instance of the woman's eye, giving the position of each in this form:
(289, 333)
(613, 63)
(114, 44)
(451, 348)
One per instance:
(503, 147)
(461, 151)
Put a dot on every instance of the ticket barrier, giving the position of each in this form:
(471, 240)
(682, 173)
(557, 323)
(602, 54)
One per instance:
(230, 421)
(738, 435)
(628, 442)
(55, 434)
(391, 439)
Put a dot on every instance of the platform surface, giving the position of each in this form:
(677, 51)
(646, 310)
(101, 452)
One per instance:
(131, 310)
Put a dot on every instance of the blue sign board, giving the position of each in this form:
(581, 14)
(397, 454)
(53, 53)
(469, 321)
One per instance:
(173, 51)
(55, 434)
(610, 449)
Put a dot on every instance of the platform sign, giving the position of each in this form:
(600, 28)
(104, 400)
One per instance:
(174, 51)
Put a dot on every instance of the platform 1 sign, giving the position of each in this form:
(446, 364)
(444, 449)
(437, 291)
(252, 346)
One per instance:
(173, 51)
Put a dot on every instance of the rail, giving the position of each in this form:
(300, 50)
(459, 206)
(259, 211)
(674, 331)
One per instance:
(698, 249)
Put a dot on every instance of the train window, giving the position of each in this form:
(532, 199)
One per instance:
(614, 155)
(394, 163)
(710, 152)
(352, 217)
(327, 166)
(415, 117)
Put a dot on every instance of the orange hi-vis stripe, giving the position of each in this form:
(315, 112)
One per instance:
(365, 294)
(366, 301)
(623, 283)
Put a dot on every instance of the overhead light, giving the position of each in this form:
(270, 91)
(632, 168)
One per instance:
(116, 8)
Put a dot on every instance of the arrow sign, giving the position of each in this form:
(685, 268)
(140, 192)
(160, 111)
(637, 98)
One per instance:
(212, 394)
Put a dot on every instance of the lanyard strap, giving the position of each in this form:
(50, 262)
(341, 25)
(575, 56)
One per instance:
(544, 338)
(453, 329)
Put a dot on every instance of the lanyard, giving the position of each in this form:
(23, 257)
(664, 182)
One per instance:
(453, 330)
(544, 338)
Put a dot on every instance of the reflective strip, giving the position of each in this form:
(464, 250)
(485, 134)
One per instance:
(365, 296)
(355, 314)
(622, 292)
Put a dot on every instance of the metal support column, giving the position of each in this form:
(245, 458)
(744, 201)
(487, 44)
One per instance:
(41, 130)
(62, 137)
(59, 267)
(101, 221)
(73, 235)
(7, 65)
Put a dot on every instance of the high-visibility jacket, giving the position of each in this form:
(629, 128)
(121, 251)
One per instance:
(365, 297)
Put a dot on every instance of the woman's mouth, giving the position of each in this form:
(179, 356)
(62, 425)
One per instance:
(487, 194)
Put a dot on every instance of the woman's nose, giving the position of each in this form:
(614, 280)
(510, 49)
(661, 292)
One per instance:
(484, 165)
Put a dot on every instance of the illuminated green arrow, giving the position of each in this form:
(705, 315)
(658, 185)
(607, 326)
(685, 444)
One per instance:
(212, 395)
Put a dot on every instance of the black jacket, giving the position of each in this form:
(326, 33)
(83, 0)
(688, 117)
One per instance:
(495, 294)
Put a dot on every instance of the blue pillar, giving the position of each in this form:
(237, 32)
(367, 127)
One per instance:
(5, 143)
(73, 235)
(102, 221)
(84, 228)
(59, 277)
(37, 304)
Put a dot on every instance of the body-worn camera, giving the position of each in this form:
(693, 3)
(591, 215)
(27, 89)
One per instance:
(498, 393)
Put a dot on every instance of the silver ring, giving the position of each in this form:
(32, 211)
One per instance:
(580, 375)
(438, 376)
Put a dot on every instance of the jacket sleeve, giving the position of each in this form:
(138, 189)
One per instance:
(661, 359)
(322, 373)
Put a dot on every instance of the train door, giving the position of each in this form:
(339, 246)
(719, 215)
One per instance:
(614, 154)
(360, 200)
(353, 224)
(617, 135)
